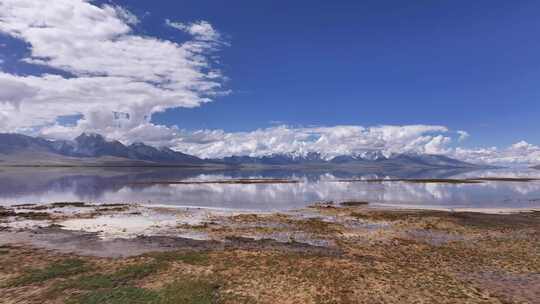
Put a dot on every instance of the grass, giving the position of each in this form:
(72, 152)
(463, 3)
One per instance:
(445, 180)
(442, 180)
(65, 268)
(135, 272)
(185, 291)
(121, 295)
(470, 220)
(396, 215)
(119, 287)
(122, 277)
(6, 213)
(69, 204)
(91, 282)
(192, 258)
(4, 250)
(131, 273)
(113, 209)
(34, 215)
(188, 292)
(506, 179)
(417, 180)
(318, 226)
(227, 181)
(354, 203)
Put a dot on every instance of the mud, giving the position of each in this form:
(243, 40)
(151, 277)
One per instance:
(90, 244)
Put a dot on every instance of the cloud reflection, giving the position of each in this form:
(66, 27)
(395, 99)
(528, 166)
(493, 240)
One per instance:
(107, 186)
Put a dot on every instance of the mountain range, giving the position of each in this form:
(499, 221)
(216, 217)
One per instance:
(95, 150)
(86, 150)
(373, 159)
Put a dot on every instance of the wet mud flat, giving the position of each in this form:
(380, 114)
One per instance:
(344, 252)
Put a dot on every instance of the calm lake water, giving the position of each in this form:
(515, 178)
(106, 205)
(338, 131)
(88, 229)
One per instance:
(30, 185)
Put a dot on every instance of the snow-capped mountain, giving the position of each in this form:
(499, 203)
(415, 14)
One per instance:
(276, 159)
(370, 158)
(88, 146)
(25, 149)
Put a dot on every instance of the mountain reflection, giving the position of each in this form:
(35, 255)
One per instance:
(26, 185)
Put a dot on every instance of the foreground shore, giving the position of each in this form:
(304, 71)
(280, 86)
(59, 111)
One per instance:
(344, 252)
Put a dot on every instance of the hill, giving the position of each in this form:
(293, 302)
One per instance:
(365, 160)
(95, 150)
(87, 150)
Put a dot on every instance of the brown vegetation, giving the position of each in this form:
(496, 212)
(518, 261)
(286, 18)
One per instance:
(420, 257)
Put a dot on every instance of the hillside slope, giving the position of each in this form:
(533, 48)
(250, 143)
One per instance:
(352, 161)
(87, 150)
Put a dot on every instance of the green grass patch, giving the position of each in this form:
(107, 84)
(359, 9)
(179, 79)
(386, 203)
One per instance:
(188, 292)
(135, 272)
(90, 282)
(118, 287)
(185, 291)
(120, 278)
(121, 295)
(192, 258)
(61, 269)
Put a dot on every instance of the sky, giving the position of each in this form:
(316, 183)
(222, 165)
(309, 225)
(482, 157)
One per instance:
(216, 78)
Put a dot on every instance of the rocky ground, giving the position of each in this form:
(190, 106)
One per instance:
(329, 253)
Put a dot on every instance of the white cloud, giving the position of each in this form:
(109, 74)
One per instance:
(111, 68)
(329, 141)
(521, 153)
(463, 135)
(13, 92)
(107, 67)
(201, 30)
(124, 14)
(344, 140)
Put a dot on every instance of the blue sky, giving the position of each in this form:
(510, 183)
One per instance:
(462, 65)
(472, 66)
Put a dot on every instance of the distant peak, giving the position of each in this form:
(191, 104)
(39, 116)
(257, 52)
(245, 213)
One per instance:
(138, 144)
(88, 135)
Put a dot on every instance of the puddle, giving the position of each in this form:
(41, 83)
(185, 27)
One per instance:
(293, 236)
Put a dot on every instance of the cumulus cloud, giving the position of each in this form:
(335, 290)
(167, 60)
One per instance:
(521, 153)
(13, 92)
(112, 78)
(105, 67)
(329, 141)
(345, 140)
(124, 14)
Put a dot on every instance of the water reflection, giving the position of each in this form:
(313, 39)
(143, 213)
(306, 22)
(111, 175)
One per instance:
(26, 185)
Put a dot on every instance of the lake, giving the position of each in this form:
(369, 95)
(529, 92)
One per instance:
(157, 187)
